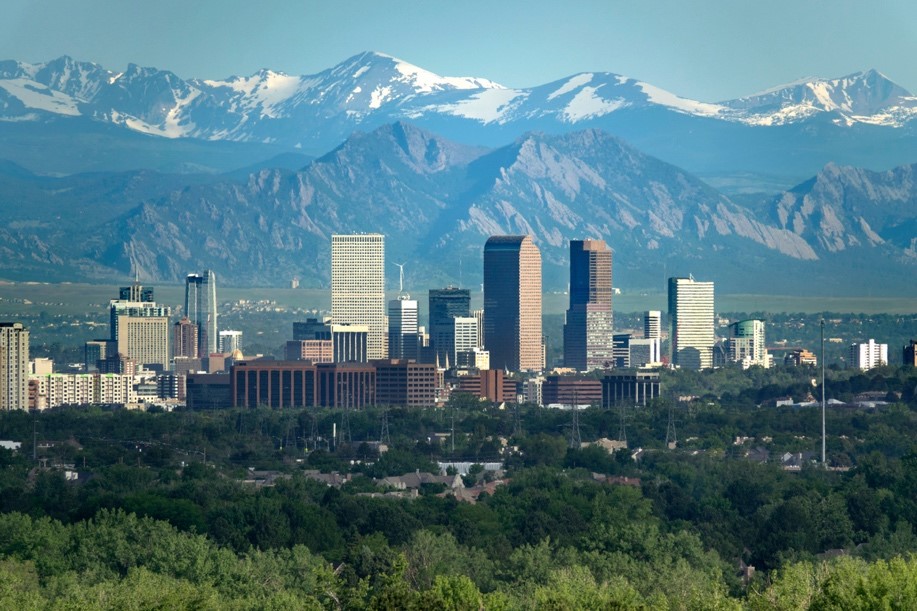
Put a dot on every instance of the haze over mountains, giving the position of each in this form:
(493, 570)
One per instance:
(440, 163)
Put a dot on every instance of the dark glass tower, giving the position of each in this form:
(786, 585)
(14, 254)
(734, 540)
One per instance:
(588, 328)
(512, 303)
(446, 305)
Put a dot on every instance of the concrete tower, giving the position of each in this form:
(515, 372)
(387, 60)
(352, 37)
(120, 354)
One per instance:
(692, 317)
(358, 287)
(14, 366)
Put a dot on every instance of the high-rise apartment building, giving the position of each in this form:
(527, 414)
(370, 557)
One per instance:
(512, 303)
(230, 341)
(868, 355)
(588, 327)
(14, 366)
(691, 311)
(201, 309)
(358, 287)
(746, 343)
(446, 305)
(184, 339)
(403, 338)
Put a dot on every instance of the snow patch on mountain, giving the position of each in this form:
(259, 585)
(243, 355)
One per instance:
(576, 81)
(37, 96)
(662, 97)
(586, 104)
(486, 106)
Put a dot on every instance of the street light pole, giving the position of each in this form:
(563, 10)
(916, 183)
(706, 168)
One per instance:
(823, 393)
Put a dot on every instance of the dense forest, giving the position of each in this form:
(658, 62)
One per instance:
(161, 514)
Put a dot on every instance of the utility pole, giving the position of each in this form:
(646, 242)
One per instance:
(823, 463)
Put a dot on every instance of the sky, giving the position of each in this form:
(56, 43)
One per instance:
(708, 50)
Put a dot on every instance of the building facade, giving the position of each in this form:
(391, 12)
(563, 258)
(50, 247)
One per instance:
(589, 322)
(358, 287)
(868, 355)
(14, 366)
(230, 341)
(401, 382)
(747, 345)
(629, 388)
(691, 336)
(201, 308)
(403, 338)
(512, 303)
(184, 339)
(446, 304)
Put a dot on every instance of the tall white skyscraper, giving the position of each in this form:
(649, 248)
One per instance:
(692, 318)
(14, 366)
(230, 341)
(358, 287)
(403, 340)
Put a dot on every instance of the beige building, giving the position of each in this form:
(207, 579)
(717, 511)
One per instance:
(358, 287)
(691, 311)
(512, 303)
(144, 339)
(14, 366)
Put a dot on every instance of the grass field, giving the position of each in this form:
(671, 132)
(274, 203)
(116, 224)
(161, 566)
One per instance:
(20, 298)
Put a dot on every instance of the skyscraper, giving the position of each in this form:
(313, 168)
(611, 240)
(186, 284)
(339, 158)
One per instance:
(140, 330)
(184, 339)
(652, 324)
(201, 309)
(358, 287)
(14, 366)
(691, 312)
(403, 340)
(746, 344)
(446, 305)
(512, 303)
(588, 327)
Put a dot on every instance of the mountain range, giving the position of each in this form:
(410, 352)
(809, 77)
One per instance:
(845, 230)
(778, 137)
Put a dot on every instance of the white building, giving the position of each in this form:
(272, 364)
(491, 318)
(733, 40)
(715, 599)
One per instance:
(652, 324)
(691, 311)
(230, 341)
(358, 287)
(645, 351)
(466, 335)
(868, 355)
(403, 337)
(14, 366)
(746, 344)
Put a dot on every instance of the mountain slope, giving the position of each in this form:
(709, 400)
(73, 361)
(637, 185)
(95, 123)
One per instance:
(789, 132)
(438, 201)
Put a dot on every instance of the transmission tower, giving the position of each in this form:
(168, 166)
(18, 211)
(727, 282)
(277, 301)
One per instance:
(576, 441)
(344, 435)
(517, 423)
(622, 422)
(384, 436)
(671, 438)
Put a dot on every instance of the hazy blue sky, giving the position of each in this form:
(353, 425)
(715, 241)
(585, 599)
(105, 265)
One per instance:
(708, 50)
